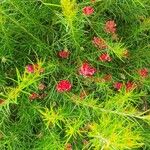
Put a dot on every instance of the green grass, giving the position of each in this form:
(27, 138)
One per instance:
(33, 32)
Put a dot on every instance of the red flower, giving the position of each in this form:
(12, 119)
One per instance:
(64, 53)
(118, 85)
(100, 43)
(130, 86)
(88, 10)
(87, 70)
(105, 57)
(33, 96)
(143, 72)
(32, 68)
(110, 26)
(63, 86)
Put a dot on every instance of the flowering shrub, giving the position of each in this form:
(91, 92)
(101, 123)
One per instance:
(74, 75)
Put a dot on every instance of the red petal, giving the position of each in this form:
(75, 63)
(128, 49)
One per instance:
(88, 10)
(63, 86)
(86, 70)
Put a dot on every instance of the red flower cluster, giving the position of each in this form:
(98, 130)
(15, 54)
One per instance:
(63, 86)
(32, 68)
(143, 72)
(129, 86)
(118, 85)
(64, 54)
(110, 26)
(88, 10)
(86, 70)
(105, 57)
(33, 96)
(100, 43)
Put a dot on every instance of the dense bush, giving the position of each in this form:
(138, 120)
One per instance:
(74, 74)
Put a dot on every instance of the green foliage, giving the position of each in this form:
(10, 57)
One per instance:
(93, 115)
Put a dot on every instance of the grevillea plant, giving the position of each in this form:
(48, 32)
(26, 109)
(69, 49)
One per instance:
(74, 75)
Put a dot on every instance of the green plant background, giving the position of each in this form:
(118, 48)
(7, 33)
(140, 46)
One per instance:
(34, 31)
